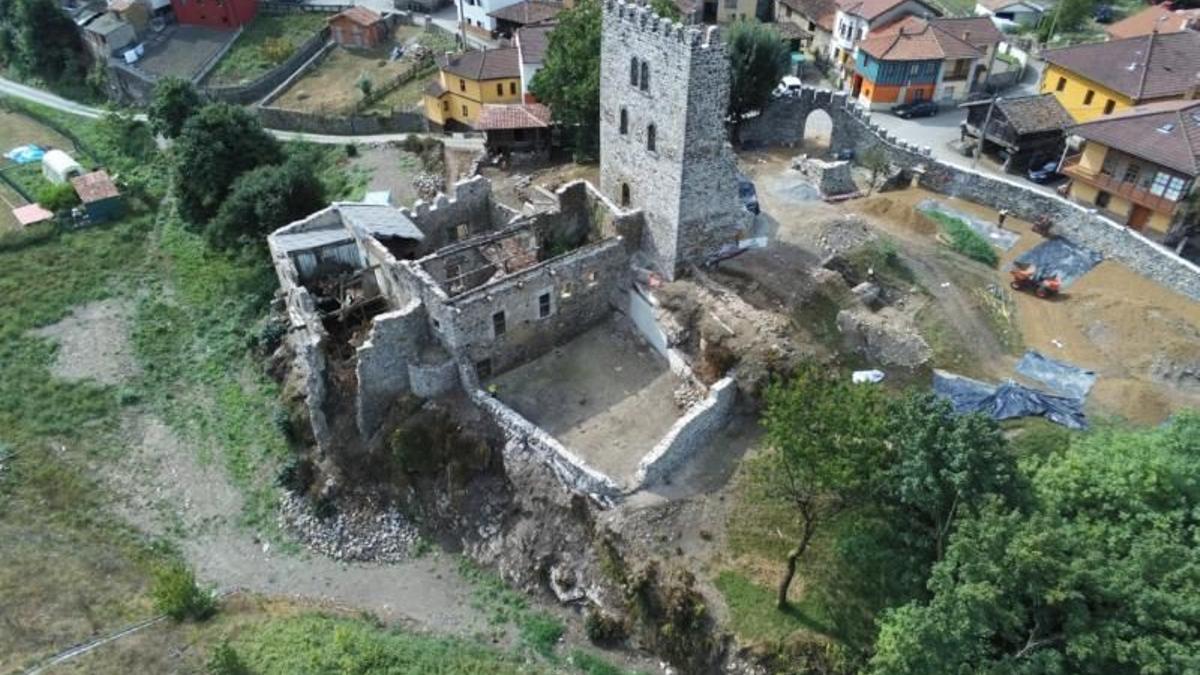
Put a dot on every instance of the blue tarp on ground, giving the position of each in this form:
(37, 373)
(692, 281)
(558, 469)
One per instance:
(26, 154)
(1061, 257)
(1060, 378)
(1008, 400)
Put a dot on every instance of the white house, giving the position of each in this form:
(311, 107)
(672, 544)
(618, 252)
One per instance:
(475, 13)
(855, 19)
(531, 44)
(1014, 11)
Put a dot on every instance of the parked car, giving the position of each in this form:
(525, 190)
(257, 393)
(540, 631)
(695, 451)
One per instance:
(1043, 171)
(1104, 14)
(748, 194)
(790, 85)
(915, 109)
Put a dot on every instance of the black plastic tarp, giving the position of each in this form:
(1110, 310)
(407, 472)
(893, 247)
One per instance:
(1059, 377)
(1007, 400)
(1061, 257)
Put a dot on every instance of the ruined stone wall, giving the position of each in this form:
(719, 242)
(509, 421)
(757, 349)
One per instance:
(471, 204)
(690, 433)
(382, 363)
(687, 184)
(582, 285)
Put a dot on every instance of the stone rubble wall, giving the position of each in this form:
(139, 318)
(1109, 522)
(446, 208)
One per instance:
(471, 204)
(429, 380)
(382, 363)
(831, 178)
(690, 433)
(782, 123)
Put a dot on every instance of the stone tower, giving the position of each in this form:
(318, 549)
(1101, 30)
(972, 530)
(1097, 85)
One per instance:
(664, 91)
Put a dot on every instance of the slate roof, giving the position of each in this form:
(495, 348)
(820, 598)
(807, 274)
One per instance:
(914, 39)
(94, 187)
(513, 116)
(528, 12)
(1166, 133)
(379, 220)
(872, 9)
(1031, 114)
(1154, 17)
(821, 12)
(533, 41)
(493, 64)
(359, 15)
(106, 24)
(1147, 67)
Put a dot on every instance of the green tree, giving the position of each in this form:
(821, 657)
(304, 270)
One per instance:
(943, 466)
(218, 144)
(37, 39)
(176, 594)
(758, 59)
(174, 101)
(1102, 576)
(57, 196)
(825, 439)
(569, 79)
(667, 9)
(263, 200)
(1069, 15)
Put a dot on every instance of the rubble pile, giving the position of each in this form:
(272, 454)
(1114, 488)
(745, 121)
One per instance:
(361, 534)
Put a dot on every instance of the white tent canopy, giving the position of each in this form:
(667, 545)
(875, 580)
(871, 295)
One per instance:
(59, 167)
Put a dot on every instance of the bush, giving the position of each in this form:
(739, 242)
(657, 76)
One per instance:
(176, 594)
(541, 632)
(57, 196)
(604, 629)
(276, 50)
(297, 475)
(965, 240)
(225, 661)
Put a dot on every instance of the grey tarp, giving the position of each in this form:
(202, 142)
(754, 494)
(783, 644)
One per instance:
(1061, 257)
(1060, 378)
(1003, 239)
(1008, 400)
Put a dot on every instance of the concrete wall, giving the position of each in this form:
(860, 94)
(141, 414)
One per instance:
(690, 433)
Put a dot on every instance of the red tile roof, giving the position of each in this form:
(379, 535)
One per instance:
(94, 187)
(513, 116)
(820, 12)
(1143, 68)
(1166, 133)
(914, 39)
(1154, 17)
(977, 31)
(528, 12)
(493, 64)
(359, 15)
(872, 9)
(31, 214)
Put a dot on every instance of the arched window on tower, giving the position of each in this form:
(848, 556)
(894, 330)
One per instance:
(645, 76)
(624, 122)
(633, 72)
(651, 138)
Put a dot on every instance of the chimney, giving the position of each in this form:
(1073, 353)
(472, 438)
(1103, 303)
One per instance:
(966, 36)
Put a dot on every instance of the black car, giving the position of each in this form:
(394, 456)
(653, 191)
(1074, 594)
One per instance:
(1043, 172)
(1104, 14)
(748, 194)
(915, 109)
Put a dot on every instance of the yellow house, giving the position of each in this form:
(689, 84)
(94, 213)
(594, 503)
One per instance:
(1102, 78)
(1137, 166)
(469, 80)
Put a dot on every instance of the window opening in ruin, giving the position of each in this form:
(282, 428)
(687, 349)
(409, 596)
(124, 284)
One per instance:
(452, 233)
(591, 277)
(543, 305)
(437, 325)
(565, 293)
(484, 368)
(462, 231)
(498, 324)
(624, 194)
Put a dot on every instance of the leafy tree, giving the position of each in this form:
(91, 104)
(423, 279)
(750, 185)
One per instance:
(37, 39)
(758, 59)
(1103, 576)
(826, 444)
(176, 594)
(1069, 15)
(174, 101)
(569, 79)
(666, 9)
(218, 144)
(265, 199)
(943, 466)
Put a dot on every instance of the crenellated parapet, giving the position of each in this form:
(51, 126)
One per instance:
(640, 17)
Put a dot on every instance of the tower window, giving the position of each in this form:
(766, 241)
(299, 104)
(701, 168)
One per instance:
(651, 138)
(645, 85)
(624, 122)
(633, 72)
(624, 194)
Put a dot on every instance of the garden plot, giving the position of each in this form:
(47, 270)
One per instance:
(265, 43)
(334, 86)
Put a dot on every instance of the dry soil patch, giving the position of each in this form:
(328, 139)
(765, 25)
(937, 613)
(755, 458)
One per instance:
(93, 343)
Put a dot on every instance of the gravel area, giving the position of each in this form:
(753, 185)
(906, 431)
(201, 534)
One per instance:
(93, 343)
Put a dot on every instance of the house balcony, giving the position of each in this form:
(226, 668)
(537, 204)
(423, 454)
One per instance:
(1125, 190)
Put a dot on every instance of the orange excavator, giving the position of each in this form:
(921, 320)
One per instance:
(1027, 277)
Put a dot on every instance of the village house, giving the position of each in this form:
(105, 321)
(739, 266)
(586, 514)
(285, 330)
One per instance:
(816, 17)
(107, 34)
(215, 13)
(1101, 78)
(469, 80)
(531, 43)
(912, 60)
(1138, 165)
(1010, 12)
(1028, 130)
(855, 21)
(515, 127)
(358, 28)
(477, 15)
(512, 18)
(98, 195)
(1154, 19)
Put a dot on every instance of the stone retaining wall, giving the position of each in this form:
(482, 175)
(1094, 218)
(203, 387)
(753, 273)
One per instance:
(283, 119)
(258, 88)
(690, 433)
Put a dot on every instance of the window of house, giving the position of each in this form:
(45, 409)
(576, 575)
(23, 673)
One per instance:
(1131, 173)
(498, 324)
(462, 84)
(651, 138)
(645, 85)
(592, 278)
(1167, 186)
(1102, 199)
(812, 26)
(565, 292)
(512, 88)
(1087, 98)
(633, 72)
(1062, 84)
(1109, 106)
(915, 69)
(465, 113)
(446, 106)
(543, 305)
(1109, 166)
(624, 126)
(499, 88)
(624, 194)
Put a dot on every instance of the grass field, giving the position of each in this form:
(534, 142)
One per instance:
(333, 86)
(268, 41)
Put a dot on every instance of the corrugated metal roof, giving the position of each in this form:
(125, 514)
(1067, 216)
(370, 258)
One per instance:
(306, 241)
(384, 221)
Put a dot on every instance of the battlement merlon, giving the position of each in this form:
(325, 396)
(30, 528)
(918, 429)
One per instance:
(640, 17)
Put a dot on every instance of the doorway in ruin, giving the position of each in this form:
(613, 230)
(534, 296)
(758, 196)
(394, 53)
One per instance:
(818, 130)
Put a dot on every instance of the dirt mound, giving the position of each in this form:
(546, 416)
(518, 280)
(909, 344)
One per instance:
(896, 209)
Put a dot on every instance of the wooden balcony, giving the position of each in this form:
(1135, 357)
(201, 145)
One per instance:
(1127, 191)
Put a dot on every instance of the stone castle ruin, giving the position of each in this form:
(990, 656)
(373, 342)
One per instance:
(544, 319)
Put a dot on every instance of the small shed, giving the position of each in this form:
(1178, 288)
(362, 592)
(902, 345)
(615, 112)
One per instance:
(516, 127)
(1028, 129)
(358, 28)
(99, 196)
(58, 167)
